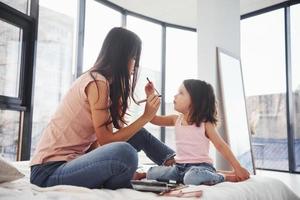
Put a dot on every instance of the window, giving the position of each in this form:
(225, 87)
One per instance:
(10, 56)
(16, 32)
(150, 64)
(10, 65)
(181, 63)
(9, 133)
(263, 62)
(54, 60)
(295, 49)
(99, 19)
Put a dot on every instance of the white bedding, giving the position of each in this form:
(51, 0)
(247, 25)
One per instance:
(257, 187)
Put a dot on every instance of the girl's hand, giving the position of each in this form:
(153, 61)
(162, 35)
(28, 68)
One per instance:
(151, 107)
(149, 89)
(242, 174)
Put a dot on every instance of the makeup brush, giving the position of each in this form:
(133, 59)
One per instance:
(144, 100)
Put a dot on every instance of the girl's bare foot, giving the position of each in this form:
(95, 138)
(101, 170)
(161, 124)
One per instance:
(139, 175)
(229, 176)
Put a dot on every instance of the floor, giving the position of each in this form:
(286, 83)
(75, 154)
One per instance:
(291, 180)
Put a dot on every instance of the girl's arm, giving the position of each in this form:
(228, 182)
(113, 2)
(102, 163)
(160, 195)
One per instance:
(97, 94)
(168, 120)
(223, 148)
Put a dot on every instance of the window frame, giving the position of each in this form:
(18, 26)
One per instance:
(23, 102)
(289, 94)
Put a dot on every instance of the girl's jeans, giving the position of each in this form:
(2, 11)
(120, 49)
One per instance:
(189, 174)
(109, 166)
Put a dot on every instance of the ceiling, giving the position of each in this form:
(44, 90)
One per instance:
(182, 12)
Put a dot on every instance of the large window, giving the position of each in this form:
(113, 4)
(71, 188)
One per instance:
(16, 34)
(263, 62)
(54, 60)
(295, 47)
(99, 19)
(181, 63)
(10, 67)
(10, 57)
(150, 63)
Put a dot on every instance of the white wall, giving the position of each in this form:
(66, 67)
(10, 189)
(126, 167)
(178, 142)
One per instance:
(184, 12)
(179, 12)
(218, 26)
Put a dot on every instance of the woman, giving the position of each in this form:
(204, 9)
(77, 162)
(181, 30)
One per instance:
(79, 146)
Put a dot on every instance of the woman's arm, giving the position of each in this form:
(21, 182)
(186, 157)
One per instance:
(97, 94)
(168, 120)
(223, 148)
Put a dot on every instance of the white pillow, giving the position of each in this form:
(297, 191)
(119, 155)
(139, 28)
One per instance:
(8, 172)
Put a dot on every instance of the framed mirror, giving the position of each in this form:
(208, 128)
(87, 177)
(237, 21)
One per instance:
(234, 107)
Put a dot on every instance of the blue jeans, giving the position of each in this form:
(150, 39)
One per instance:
(109, 166)
(189, 174)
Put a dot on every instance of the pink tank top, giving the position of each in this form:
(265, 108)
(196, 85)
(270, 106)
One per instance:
(192, 145)
(70, 131)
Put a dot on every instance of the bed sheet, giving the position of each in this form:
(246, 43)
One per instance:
(257, 187)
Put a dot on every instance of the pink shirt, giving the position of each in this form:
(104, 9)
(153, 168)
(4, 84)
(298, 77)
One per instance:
(192, 145)
(70, 131)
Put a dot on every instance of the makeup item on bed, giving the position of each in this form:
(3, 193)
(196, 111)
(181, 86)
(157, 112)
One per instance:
(152, 186)
(144, 100)
(181, 191)
(167, 181)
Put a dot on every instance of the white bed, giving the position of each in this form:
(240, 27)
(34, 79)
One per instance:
(257, 187)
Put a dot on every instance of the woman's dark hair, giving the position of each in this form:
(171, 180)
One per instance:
(119, 46)
(203, 102)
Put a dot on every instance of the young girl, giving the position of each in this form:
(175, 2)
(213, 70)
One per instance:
(79, 146)
(195, 127)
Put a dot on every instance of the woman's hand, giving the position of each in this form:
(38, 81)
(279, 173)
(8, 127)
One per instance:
(241, 174)
(151, 107)
(170, 162)
(149, 89)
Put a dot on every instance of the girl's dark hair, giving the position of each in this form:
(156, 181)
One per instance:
(119, 46)
(203, 102)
